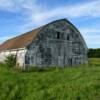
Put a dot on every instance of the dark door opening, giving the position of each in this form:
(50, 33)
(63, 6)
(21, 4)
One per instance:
(58, 35)
(70, 61)
(68, 38)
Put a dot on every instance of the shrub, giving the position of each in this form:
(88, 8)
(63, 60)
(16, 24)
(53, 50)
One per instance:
(10, 60)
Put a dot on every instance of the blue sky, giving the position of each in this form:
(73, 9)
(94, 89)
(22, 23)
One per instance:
(20, 16)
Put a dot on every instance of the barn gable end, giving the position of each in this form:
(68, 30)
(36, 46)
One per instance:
(57, 44)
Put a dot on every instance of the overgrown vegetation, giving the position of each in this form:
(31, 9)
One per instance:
(75, 83)
(10, 60)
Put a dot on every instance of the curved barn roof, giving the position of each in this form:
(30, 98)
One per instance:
(23, 40)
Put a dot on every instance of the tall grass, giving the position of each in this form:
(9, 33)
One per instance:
(75, 83)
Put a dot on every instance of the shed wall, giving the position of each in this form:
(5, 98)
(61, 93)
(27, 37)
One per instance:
(19, 53)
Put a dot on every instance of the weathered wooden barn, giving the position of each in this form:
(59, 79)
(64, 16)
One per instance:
(58, 43)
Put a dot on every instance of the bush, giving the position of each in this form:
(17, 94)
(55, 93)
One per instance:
(10, 60)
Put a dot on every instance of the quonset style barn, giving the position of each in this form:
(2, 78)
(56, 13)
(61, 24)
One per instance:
(58, 43)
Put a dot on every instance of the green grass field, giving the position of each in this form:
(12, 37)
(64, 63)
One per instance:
(77, 83)
(94, 61)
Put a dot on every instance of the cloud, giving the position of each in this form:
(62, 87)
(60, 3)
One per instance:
(17, 5)
(90, 30)
(4, 4)
(91, 36)
(9, 5)
(93, 40)
(90, 9)
(41, 13)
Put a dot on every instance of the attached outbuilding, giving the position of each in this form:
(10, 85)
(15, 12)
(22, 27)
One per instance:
(58, 43)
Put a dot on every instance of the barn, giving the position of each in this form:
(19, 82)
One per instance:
(58, 43)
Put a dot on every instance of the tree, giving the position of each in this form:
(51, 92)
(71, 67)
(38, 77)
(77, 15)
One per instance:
(94, 53)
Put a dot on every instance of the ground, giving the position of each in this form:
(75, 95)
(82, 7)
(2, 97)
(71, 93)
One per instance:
(77, 83)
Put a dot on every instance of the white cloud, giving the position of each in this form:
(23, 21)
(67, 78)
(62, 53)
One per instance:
(90, 9)
(93, 40)
(39, 13)
(91, 36)
(17, 5)
(90, 30)
(6, 4)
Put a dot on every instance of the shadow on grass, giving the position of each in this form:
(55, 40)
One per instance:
(42, 69)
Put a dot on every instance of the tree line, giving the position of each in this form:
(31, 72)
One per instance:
(94, 53)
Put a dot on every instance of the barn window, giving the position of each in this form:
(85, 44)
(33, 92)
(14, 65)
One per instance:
(68, 38)
(58, 35)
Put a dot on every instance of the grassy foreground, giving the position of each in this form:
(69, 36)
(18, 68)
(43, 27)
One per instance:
(77, 83)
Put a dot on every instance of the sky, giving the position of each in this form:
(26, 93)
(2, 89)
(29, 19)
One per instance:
(20, 16)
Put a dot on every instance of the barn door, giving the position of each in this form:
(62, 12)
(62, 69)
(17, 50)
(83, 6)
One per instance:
(67, 54)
